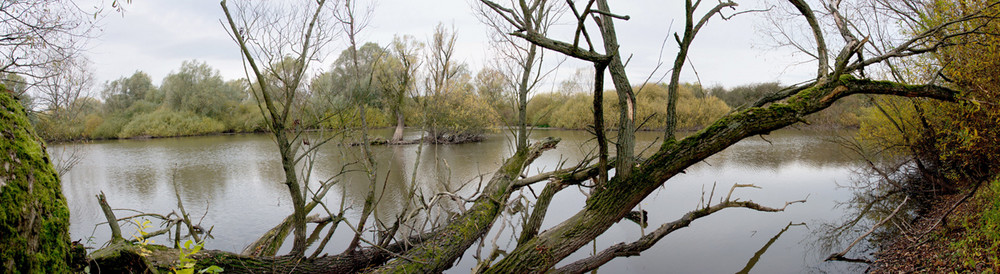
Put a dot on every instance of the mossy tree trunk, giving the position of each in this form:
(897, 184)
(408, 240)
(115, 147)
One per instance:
(440, 252)
(623, 193)
(34, 218)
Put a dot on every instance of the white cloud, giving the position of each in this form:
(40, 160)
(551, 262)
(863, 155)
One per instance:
(156, 36)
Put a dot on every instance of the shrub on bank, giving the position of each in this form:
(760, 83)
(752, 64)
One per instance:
(244, 118)
(168, 123)
(109, 127)
(50, 128)
(349, 118)
(575, 110)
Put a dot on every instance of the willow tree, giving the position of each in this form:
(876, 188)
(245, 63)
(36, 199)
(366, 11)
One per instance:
(397, 76)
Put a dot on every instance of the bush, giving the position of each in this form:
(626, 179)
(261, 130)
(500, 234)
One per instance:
(541, 106)
(53, 129)
(168, 123)
(977, 247)
(575, 111)
(747, 94)
(110, 127)
(348, 118)
(457, 113)
(244, 118)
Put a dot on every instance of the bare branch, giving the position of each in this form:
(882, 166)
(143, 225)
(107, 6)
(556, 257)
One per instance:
(821, 51)
(562, 47)
(648, 240)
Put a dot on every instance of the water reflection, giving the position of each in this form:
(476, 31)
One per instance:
(237, 181)
(868, 205)
(756, 255)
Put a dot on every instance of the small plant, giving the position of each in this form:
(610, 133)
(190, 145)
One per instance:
(141, 238)
(185, 264)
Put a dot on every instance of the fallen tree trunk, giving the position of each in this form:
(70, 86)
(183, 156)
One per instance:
(622, 193)
(361, 259)
(123, 257)
(440, 252)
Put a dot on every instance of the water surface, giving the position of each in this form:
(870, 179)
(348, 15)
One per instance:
(233, 182)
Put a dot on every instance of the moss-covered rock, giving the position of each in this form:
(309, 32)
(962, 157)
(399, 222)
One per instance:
(34, 218)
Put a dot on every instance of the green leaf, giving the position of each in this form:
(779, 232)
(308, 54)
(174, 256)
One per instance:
(211, 269)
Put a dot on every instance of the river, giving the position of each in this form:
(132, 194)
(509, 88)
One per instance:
(232, 182)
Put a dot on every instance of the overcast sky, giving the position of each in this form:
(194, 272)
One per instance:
(156, 36)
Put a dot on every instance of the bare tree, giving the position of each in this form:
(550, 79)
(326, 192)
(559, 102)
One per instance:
(352, 26)
(691, 29)
(521, 62)
(37, 35)
(72, 80)
(278, 43)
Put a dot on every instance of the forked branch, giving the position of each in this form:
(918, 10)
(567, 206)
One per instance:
(648, 240)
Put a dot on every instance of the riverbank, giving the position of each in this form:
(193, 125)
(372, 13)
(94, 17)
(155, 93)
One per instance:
(967, 242)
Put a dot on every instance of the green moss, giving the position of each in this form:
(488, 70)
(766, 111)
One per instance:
(845, 78)
(121, 257)
(219, 259)
(34, 218)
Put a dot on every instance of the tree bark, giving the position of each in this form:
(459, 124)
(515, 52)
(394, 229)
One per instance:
(298, 200)
(534, 221)
(522, 98)
(625, 147)
(599, 133)
(116, 231)
(397, 136)
(34, 219)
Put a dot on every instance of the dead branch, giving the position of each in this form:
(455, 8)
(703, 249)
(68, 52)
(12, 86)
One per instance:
(534, 222)
(116, 231)
(648, 240)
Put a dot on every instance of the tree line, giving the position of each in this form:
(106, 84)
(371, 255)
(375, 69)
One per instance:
(197, 100)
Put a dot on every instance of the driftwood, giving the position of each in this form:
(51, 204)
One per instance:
(450, 139)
